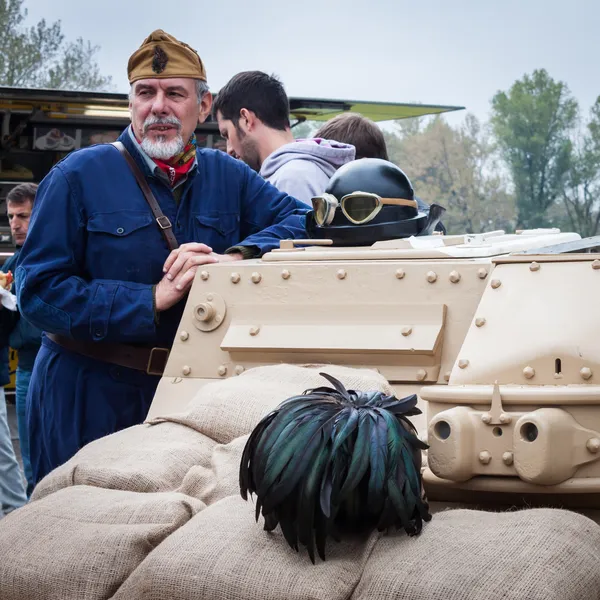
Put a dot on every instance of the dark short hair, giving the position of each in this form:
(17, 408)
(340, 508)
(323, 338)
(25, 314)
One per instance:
(256, 91)
(24, 192)
(362, 133)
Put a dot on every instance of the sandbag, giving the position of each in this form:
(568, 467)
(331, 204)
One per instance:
(534, 554)
(142, 458)
(230, 408)
(222, 553)
(82, 542)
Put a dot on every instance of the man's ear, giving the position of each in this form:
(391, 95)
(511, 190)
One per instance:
(205, 107)
(248, 120)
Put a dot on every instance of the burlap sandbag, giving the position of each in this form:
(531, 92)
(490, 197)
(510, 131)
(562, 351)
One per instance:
(142, 458)
(82, 542)
(221, 479)
(535, 554)
(231, 408)
(223, 554)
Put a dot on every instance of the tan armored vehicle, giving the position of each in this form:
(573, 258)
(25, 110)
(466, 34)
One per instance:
(495, 332)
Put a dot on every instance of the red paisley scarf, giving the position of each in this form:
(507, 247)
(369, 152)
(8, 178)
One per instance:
(177, 166)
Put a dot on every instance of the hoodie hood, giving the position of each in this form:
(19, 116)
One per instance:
(327, 155)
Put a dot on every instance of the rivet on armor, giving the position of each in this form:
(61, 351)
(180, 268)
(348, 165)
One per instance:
(447, 376)
(406, 331)
(341, 274)
(534, 266)
(239, 369)
(528, 372)
(209, 297)
(480, 322)
(486, 418)
(485, 457)
(463, 363)
(256, 277)
(454, 276)
(400, 274)
(508, 458)
(254, 330)
(593, 445)
(204, 275)
(222, 370)
(431, 276)
(482, 273)
(505, 419)
(285, 274)
(586, 373)
(218, 319)
(186, 370)
(496, 283)
(596, 264)
(235, 278)
(205, 311)
(184, 336)
(421, 374)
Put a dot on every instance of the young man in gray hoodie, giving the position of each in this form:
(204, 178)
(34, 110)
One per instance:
(252, 111)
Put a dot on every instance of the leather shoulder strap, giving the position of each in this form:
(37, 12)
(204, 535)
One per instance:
(163, 222)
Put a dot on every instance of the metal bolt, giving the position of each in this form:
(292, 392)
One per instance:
(496, 283)
(447, 376)
(406, 331)
(186, 370)
(486, 418)
(508, 458)
(222, 370)
(235, 278)
(596, 264)
(218, 319)
(505, 419)
(285, 274)
(586, 373)
(341, 274)
(482, 273)
(463, 363)
(184, 336)
(593, 445)
(205, 311)
(421, 374)
(204, 275)
(256, 277)
(400, 274)
(534, 266)
(454, 276)
(431, 276)
(529, 372)
(239, 369)
(209, 297)
(485, 457)
(254, 330)
(480, 322)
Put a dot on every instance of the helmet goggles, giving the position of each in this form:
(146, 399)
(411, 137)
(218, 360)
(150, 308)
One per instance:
(358, 207)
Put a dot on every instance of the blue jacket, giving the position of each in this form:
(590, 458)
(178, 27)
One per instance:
(16, 331)
(94, 250)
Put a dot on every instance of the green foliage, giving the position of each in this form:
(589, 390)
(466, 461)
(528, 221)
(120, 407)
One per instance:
(40, 57)
(533, 124)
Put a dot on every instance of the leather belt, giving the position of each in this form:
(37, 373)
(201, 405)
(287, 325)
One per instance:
(149, 360)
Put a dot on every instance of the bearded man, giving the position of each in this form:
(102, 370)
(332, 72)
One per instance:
(96, 272)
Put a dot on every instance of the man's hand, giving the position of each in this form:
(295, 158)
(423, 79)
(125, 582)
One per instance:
(187, 256)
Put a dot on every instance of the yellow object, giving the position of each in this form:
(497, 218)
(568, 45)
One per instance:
(13, 359)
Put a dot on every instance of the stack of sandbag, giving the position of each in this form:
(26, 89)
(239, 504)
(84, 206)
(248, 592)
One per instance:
(154, 512)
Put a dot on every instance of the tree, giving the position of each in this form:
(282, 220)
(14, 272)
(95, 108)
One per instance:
(533, 123)
(455, 168)
(40, 57)
(581, 192)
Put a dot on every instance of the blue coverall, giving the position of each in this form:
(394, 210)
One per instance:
(86, 271)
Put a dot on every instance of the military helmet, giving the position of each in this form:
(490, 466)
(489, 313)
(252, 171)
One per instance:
(366, 201)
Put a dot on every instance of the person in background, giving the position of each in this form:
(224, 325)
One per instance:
(252, 111)
(21, 335)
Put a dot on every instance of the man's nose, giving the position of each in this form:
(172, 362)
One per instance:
(230, 150)
(159, 106)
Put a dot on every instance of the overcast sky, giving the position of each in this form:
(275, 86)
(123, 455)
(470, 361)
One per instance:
(434, 51)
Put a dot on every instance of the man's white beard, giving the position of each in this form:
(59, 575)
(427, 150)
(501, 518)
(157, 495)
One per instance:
(161, 148)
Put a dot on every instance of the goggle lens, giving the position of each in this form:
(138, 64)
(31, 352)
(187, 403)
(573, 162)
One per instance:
(320, 208)
(359, 208)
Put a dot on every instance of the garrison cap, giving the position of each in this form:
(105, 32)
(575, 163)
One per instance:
(163, 56)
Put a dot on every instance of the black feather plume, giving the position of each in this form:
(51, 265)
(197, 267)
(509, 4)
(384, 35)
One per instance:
(333, 460)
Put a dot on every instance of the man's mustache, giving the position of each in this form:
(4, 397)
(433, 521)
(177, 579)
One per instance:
(152, 120)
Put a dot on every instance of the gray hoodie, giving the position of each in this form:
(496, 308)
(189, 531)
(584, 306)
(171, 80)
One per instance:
(303, 168)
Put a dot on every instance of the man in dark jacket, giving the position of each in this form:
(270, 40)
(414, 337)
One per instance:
(15, 330)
